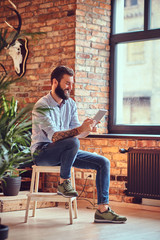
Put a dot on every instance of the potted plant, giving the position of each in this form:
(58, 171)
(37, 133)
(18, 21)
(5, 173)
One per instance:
(15, 124)
(15, 133)
(3, 231)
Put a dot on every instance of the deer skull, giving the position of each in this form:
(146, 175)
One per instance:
(19, 52)
(15, 53)
(17, 48)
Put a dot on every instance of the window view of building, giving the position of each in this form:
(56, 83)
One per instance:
(138, 81)
(137, 65)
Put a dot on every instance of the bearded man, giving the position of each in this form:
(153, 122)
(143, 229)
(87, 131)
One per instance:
(55, 133)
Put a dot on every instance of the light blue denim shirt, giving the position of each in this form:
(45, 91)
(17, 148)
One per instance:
(56, 118)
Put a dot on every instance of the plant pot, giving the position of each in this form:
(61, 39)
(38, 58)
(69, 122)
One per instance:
(3, 232)
(11, 186)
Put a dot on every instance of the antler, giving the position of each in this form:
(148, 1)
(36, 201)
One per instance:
(12, 4)
(3, 69)
(5, 43)
(19, 25)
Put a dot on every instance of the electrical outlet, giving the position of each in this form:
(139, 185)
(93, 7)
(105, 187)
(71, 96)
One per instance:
(78, 175)
(87, 174)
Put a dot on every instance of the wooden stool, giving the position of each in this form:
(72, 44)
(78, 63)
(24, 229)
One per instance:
(45, 196)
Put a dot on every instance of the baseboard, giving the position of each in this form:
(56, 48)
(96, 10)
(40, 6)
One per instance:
(135, 206)
(151, 202)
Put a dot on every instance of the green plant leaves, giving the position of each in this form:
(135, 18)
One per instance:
(15, 135)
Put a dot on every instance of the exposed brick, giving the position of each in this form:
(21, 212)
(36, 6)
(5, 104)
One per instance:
(46, 29)
(90, 87)
(115, 171)
(99, 142)
(128, 199)
(121, 165)
(79, 39)
(116, 198)
(118, 184)
(124, 172)
(109, 149)
(23, 4)
(113, 191)
(98, 45)
(105, 6)
(23, 95)
(46, 5)
(121, 178)
(120, 156)
(113, 164)
(80, 13)
(99, 11)
(146, 143)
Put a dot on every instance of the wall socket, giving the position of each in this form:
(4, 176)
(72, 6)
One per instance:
(86, 174)
(78, 175)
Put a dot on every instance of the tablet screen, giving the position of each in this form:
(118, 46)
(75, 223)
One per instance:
(99, 115)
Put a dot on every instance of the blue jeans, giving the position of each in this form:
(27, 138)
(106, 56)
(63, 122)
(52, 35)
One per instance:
(66, 153)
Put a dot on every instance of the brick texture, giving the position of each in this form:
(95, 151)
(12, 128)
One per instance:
(91, 65)
(118, 179)
(56, 46)
(77, 35)
(118, 161)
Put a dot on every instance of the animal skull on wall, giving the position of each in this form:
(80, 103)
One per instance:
(16, 47)
(19, 52)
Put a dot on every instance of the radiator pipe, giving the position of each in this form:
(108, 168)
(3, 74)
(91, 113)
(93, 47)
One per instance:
(123, 150)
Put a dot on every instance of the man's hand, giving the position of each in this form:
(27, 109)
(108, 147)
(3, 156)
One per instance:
(87, 126)
(94, 129)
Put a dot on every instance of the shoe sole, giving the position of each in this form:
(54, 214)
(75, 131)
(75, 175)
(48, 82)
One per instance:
(60, 193)
(107, 221)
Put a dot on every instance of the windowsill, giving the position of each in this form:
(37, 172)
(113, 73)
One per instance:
(130, 136)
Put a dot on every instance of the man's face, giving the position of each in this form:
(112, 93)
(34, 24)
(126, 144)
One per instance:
(64, 87)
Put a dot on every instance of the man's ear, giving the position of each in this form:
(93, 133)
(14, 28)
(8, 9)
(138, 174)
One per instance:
(55, 82)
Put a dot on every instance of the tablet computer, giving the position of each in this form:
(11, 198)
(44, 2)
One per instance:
(99, 115)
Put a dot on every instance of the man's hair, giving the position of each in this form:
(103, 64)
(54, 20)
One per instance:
(59, 71)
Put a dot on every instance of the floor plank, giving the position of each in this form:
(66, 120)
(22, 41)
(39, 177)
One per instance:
(53, 223)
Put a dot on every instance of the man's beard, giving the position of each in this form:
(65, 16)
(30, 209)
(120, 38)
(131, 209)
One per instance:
(61, 93)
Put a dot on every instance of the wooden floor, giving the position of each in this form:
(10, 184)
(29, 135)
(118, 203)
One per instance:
(53, 223)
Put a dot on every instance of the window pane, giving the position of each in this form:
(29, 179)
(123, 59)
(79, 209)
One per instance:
(155, 14)
(133, 2)
(138, 83)
(129, 16)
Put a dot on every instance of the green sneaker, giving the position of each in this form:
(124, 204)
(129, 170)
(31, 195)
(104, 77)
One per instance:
(66, 189)
(108, 216)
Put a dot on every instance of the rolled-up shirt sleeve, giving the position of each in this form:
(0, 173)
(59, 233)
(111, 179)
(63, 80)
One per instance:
(43, 122)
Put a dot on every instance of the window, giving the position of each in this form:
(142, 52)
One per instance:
(133, 2)
(130, 2)
(135, 67)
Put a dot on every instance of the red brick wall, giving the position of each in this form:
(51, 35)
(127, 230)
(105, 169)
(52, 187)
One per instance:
(109, 148)
(92, 58)
(57, 46)
(77, 35)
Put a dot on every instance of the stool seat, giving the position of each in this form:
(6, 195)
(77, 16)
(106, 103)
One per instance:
(35, 196)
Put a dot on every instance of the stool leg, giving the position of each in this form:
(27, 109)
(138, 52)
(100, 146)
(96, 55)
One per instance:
(32, 181)
(36, 190)
(75, 208)
(28, 197)
(27, 209)
(70, 211)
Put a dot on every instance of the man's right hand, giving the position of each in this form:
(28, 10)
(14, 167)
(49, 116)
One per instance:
(87, 125)
(83, 131)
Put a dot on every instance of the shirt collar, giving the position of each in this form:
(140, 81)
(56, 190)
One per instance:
(53, 102)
